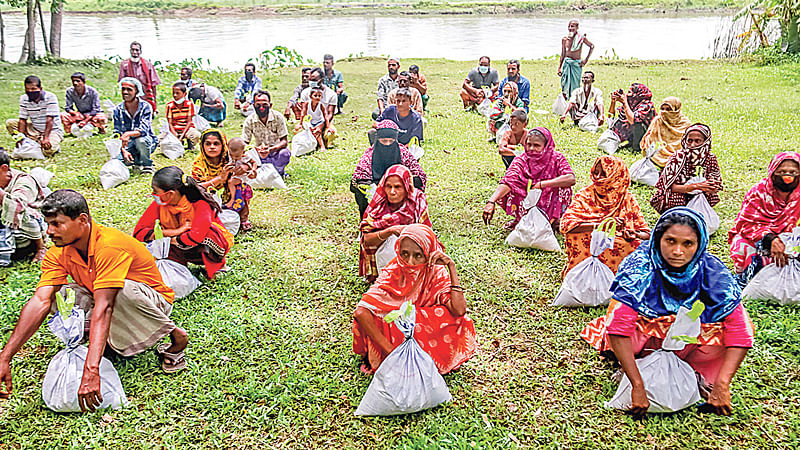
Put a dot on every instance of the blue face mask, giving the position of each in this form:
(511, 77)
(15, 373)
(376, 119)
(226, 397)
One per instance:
(313, 84)
(158, 200)
(483, 69)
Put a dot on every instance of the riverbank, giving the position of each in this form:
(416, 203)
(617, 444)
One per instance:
(422, 7)
(270, 362)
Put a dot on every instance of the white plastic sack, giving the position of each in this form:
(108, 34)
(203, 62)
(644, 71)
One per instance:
(588, 283)
(176, 276)
(686, 327)
(589, 123)
(230, 220)
(501, 131)
(560, 105)
(407, 380)
(171, 147)
(267, 178)
(42, 176)
(108, 107)
(303, 142)
(700, 204)
(415, 149)
(533, 230)
(114, 147)
(64, 373)
(385, 253)
(779, 284)
(200, 123)
(113, 173)
(644, 171)
(82, 133)
(670, 383)
(608, 142)
(27, 148)
(485, 106)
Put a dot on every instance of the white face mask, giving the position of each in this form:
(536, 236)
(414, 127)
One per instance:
(180, 100)
(135, 59)
(483, 69)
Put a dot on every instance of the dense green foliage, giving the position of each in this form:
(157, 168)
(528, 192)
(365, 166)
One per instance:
(269, 354)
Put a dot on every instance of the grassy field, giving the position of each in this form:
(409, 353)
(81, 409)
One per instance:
(407, 7)
(270, 362)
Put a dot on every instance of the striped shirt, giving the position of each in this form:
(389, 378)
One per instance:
(36, 113)
(180, 116)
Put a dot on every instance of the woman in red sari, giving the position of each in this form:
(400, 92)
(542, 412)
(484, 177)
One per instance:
(396, 203)
(424, 274)
(188, 215)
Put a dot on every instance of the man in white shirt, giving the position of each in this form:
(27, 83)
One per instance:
(584, 100)
(39, 117)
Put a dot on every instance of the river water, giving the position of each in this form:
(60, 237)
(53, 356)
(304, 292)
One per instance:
(229, 41)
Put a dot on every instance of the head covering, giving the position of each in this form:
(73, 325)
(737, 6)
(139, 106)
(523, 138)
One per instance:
(414, 209)
(385, 156)
(762, 211)
(641, 103)
(514, 90)
(530, 167)
(648, 285)
(399, 281)
(136, 83)
(666, 131)
(392, 58)
(203, 169)
(607, 196)
(688, 157)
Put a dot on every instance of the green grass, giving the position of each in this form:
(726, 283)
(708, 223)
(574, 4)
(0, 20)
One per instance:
(417, 6)
(270, 362)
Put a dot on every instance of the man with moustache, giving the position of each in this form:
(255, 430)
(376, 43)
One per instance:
(266, 130)
(116, 283)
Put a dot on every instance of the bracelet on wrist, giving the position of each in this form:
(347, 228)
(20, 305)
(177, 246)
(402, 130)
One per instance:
(457, 288)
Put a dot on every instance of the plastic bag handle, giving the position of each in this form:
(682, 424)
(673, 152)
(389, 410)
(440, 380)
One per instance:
(608, 226)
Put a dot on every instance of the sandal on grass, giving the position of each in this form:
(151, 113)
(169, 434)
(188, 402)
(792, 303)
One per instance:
(170, 362)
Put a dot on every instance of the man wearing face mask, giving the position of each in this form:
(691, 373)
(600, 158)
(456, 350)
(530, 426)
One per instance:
(478, 79)
(247, 85)
(39, 117)
(143, 70)
(329, 98)
(386, 84)
(266, 130)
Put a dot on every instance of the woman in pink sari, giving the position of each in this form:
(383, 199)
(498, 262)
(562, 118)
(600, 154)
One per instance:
(540, 167)
(770, 208)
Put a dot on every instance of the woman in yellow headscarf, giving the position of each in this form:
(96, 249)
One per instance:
(666, 130)
(209, 168)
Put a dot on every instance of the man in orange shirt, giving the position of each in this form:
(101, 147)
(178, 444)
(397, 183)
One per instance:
(117, 283)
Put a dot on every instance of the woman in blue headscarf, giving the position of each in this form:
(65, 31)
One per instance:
(673, 269)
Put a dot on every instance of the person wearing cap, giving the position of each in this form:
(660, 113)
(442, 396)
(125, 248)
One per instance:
(212, 104)
(143, 70)
(82, 106)
(133, 122)
(334, 80)
(479, 78)
(386, 84)
(39, 117)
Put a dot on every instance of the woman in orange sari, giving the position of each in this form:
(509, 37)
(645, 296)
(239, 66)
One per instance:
(607, 196)
(424, 274)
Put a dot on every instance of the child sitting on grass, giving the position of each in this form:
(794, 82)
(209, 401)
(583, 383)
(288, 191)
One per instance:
(241, 166)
